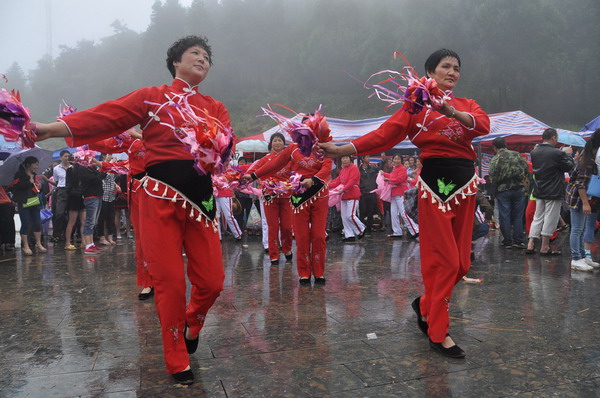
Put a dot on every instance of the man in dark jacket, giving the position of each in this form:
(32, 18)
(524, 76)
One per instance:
(549, 167)
(508, 170)
(367, 204)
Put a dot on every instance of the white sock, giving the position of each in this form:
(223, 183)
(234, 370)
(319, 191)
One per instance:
(88, 246)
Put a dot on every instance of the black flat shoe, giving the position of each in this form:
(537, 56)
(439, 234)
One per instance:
(274, 262)
(266, 251)
(289, 257)
(190, 345)
(452, 352)
(305, 281)
(146, 296)
(320, 281)
(351, 239)
(186, 377)
(416, 305)
(362, 235)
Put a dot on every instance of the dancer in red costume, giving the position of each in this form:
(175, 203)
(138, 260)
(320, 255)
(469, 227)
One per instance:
(177, 209)
(310, 208)
(224, 202)
(349, 179)
(277, 208)
(398, 178)
(447, 189)
(131, 143)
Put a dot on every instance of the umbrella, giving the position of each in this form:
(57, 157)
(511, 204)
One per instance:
(10, 166)
(252, 146)
(570, 139)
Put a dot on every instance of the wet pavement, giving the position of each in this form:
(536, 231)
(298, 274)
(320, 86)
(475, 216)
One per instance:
(71, 325)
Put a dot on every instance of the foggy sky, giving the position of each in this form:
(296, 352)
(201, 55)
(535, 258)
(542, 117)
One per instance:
(23, 25)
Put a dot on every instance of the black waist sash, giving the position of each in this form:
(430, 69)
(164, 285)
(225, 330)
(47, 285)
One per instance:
(138, 176)
(181, 175)
(444, 178)
(299, 199)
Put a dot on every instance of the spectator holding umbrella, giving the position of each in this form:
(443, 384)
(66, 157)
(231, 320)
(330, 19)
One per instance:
(26, 194)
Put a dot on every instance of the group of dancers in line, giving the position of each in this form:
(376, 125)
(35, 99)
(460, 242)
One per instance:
(173, 208)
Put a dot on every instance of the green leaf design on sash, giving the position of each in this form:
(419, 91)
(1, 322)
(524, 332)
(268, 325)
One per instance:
(443, 187)
(296, 199)
(208, 204)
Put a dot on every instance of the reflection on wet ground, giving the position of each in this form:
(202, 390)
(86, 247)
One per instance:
(71, 325)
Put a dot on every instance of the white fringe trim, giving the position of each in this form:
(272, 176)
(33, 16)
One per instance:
(311, 200)
(178, 196)
(469, 189)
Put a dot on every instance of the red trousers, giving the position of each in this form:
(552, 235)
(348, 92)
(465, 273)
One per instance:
(143, 276)
(309, 229)
(279, 217)
(445, 240)
(168, 228)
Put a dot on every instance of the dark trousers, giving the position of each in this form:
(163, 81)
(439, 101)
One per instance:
(106, 221)
(59, 211)
(246, 207)
(367, 207)
(480, 231)
(511, 209)
(7, 223)
(30, 219)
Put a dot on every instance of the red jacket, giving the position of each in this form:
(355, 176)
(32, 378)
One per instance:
(349, 178)
(282, 174)
(113, 117)
(307, 166)
(412, 182)
(221, 193)
(132, 146)
(398, 179)
(441, 137)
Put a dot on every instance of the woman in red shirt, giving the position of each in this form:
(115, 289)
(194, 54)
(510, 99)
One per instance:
(349, 179)
(398, 178)
(132, 144)
(224, 201)
(177, 206)
(277, 209)
(447, 189)
(310, 208)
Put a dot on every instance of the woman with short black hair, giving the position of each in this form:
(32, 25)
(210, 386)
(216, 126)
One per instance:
(277, 208)
(447, 188)
(177, 203)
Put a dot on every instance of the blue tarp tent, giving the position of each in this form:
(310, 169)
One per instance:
(517, 127)
(593, 125)
(7, 146)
